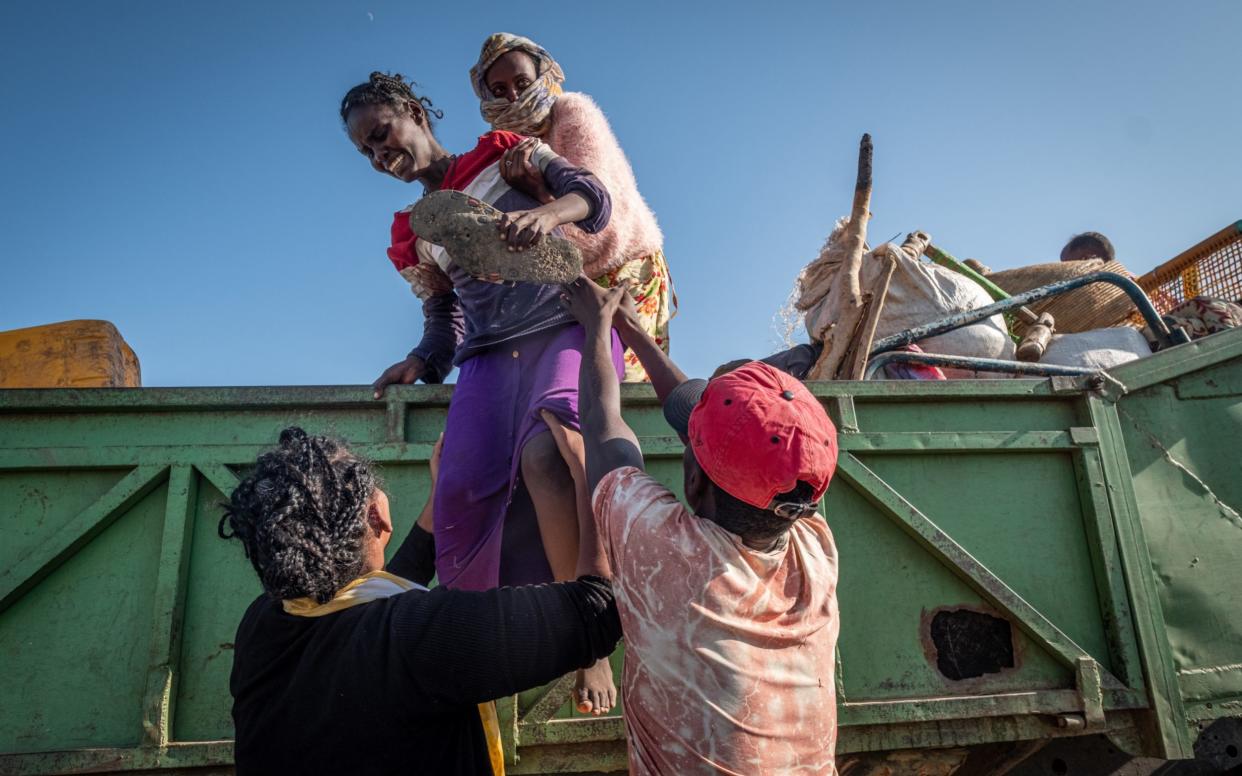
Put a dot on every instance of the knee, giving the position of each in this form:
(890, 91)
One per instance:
(542, 463)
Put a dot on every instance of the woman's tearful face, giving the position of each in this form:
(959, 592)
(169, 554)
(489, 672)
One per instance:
(511, 75)
(392, 138)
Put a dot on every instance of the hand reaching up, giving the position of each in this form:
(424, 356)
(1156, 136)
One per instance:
(627, 311)
(590, 305)
(427, 519)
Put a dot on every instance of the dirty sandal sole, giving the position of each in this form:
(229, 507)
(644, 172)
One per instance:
(466, 228)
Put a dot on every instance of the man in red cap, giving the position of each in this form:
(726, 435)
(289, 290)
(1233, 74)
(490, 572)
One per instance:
(729, 606)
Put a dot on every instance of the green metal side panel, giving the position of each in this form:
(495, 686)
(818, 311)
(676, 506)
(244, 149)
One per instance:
(118, 602)
(1181, 418)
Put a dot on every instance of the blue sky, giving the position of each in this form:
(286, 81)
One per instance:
(180, 170)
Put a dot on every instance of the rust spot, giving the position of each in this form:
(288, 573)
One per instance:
(224, 645)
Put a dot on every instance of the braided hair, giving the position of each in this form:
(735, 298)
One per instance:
(386, 89)
(300, 516)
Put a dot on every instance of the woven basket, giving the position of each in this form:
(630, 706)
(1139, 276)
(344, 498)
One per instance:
(1097, 306)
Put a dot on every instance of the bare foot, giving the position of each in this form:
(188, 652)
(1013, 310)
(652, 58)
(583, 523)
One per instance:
(594, 691)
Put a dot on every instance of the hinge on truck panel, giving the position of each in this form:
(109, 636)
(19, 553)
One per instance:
(1091, 692)
(1067, 384)
(1110, 387)
(1100, 383)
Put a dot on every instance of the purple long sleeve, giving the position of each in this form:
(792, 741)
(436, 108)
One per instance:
(563, 178)
(444, 329)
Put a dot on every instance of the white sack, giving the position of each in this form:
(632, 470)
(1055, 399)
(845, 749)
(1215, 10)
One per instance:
(1097, 349)
(919, 294)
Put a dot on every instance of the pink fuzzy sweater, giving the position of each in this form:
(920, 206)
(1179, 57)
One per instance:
(580, 133)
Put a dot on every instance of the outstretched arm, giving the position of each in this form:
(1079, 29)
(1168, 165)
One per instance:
(664, 374)
(608, 442)
(470, 647)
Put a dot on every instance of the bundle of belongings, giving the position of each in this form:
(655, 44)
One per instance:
(850, 295)
(1204, 315)
(1096, 325)
(918, 293)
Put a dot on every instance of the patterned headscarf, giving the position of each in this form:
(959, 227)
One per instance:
(529, 114)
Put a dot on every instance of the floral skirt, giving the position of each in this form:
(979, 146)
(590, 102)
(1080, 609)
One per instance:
(651, 287)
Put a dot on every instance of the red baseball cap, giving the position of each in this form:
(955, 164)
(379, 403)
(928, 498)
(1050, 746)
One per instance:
(757, 431)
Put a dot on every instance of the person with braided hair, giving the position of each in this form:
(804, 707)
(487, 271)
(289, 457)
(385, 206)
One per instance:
(347, 665)
(506, 482)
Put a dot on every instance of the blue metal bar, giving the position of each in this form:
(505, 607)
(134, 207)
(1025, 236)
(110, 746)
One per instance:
(1158, 327)
(878, 362)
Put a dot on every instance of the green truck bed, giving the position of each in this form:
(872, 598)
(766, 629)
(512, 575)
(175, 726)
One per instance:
(1020, 560)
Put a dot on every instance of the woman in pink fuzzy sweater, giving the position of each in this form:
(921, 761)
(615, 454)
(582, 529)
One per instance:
(519, 85)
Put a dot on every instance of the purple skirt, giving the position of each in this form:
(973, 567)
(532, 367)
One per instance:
(485, 528)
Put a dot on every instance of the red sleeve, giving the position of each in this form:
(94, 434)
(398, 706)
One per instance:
(505, 140)
(490, 148)
(401, 253)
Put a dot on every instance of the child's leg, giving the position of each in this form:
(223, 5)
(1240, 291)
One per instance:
(569, 447)
(553, 468)
(551, 488)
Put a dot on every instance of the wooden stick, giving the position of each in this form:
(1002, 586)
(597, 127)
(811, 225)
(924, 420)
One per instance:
(855, 365)
(846, 295)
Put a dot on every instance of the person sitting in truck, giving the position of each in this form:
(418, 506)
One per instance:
(346, 665)
(728, 606)
(1088, 245)
(506, 482)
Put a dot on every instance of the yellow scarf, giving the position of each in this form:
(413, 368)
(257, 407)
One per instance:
(533, 110)
(372, 587)
(366, 588)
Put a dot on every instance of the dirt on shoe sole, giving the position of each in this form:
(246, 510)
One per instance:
(466, 228)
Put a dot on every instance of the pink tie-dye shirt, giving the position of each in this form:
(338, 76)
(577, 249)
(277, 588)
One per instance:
(728, 650)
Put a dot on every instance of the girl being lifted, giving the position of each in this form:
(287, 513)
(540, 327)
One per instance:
(504, 483)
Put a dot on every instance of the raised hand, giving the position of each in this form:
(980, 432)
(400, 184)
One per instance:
(627, 310)
(590, 305)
